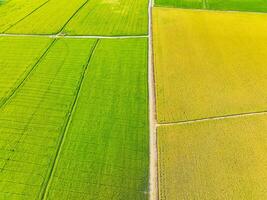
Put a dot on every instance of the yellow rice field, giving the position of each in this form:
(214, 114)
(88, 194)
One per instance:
(209, 63)
(214, 159)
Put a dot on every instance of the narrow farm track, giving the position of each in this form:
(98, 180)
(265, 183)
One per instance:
(26, 16)
(27, 75)
(74, 36)
(43, 194)
(153, 166)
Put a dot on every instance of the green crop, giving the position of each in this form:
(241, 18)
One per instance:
(50, 18)
(239, 5)
(13, 11)
(32, 120)
(76, 126)
(110, 17)
(18, 57)
(105, 151)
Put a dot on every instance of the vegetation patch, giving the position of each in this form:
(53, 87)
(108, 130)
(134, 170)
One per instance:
(208, 64)
(218, 159)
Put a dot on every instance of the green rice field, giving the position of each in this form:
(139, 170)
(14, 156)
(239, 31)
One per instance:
(80, 17)
(133, 100)
(63, 116)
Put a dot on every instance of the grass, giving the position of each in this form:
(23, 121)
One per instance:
(48, 19)
(219, 64)
(239, 5)
(29, 50)
(110, 17)
(32, 121)
(105, 152)
(220, 159)
(13, 11)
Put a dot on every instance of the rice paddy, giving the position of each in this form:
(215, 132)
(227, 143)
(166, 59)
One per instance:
(110, 17)
(117, 100)
(210, 80)
(49, 19)
(218, 67)
(13, 11)
(81, 17)
(218, 159)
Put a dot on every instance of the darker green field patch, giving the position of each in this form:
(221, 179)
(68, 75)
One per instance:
(2, 2)
(231, 5)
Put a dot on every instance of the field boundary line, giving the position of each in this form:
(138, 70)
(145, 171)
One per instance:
(66, 23)
(74, 36)
(204, 4)
(212, 10)
(153, 150)
(232, 116)
(44, 192)
(27, 75)
(26, 16)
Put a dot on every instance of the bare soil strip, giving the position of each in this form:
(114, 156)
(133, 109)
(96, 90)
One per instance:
(153, 165)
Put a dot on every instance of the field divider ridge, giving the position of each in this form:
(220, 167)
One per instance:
(74, 36)
(153, 150)
(26, 16)
(44, 191)
(28, 74)
(231, 116)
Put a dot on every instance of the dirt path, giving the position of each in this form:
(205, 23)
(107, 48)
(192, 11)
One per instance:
(73, 36)
(153, 158)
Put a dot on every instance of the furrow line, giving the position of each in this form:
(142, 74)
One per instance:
(213, 118)
(14, 90)
(44, 192)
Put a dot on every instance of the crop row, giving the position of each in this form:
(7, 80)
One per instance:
(74, 124)
(80, 17)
